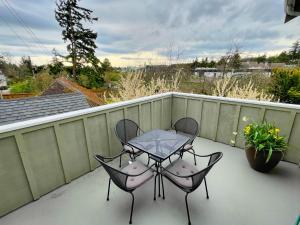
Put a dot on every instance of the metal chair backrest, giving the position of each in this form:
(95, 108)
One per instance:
(187, 125)
(118, 177)
(198, 177)
(126, 129)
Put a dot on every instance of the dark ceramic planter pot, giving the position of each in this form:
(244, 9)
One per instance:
(258, 162)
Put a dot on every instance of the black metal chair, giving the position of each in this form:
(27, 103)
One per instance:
(128, 178)
(187, 177)
(126, 130)
(188, 127)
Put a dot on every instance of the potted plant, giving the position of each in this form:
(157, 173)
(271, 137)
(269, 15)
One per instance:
(264, 146)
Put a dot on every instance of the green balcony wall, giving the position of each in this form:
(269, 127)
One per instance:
(41, 156)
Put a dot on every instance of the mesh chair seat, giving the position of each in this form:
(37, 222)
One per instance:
(181, 168)
(190, 136)
(134, 168)
(187, 147)
(131, 150)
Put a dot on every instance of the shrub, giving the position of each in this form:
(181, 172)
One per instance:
(230, 87)
(90, 77)
(33, 85)
(133, 85)
(42, 81)
(25, 86)
(285, 84)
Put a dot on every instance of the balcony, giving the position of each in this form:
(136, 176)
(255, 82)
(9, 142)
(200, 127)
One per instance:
(39, 156)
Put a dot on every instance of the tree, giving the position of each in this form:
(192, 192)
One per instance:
(106, 65)
(81, 47)
(235, 60)
(56, 67)
(261, 59)
(26, 67)
(295, 50)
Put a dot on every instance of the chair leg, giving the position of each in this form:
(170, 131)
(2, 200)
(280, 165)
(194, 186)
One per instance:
(194, 157)
(206, 188)
(155, 188)
(148, 161)
(120, 161)
(158, 185)
(130, 220)
(187, 209)
(170, 160)
(107, 198)
(163, 188)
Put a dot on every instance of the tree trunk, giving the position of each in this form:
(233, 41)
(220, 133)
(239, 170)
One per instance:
(74, 63)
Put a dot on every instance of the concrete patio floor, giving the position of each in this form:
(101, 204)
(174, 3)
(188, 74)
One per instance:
(238, 196)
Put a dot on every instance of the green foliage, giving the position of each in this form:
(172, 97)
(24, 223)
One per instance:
(203, 63)
(285, 84)
(261, 59)
(81, 41)
(56, 68)
(33, 85)
(91, 77)
(235, 60)
(42, 81)
(264, 136)
(106, 65)
(25, 86)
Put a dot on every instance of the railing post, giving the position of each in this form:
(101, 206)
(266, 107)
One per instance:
(60, 142)
(217, 121)
(27, 167)
(88, 143)
(108, 132)
(236, 124)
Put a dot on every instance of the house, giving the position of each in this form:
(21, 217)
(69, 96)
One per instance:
(17, 110)
(3, 81)
(63, 85)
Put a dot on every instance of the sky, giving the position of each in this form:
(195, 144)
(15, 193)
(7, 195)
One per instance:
(138, 32)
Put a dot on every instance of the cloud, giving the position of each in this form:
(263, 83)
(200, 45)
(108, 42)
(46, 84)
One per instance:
(128, 29)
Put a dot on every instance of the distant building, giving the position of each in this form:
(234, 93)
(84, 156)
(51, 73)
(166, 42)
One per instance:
(17, 110)
(63, 85)
(3, 81)
(207, 72)
(246, 68)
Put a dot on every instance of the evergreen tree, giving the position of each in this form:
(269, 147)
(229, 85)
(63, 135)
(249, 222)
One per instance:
(81, 47)
(235, 60)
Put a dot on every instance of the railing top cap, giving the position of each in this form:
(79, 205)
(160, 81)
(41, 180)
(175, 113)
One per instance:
(240, 101)
(58, 117)
(62, 116)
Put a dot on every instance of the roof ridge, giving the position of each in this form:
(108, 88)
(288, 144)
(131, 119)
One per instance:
(43, 97)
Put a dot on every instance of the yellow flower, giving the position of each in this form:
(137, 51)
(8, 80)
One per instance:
(247, 130)
(277, 130)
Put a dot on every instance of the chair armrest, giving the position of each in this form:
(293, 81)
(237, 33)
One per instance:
(139, 174)
(140, 129)
(108, 159)
(199, 155)
(186, 176)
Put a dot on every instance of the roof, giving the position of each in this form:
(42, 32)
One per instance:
(63, 85)
(28, 108)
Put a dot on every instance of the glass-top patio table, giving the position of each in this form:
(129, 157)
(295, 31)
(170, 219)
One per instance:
(160, 145)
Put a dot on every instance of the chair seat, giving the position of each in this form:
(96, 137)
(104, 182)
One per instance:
(187, 147)
(190, 136)
(181, 168)
(131, 149)
(134, 168)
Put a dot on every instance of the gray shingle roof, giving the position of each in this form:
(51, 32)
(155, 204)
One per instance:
(28, 108)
